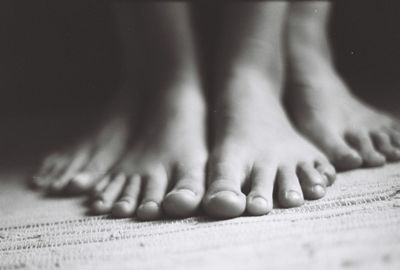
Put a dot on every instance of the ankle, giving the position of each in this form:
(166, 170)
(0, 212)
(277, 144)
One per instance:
(250, 73)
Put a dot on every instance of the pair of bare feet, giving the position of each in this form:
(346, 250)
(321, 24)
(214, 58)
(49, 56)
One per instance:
(155, 159)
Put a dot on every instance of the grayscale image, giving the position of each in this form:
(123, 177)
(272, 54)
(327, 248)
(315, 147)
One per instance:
(200, 135)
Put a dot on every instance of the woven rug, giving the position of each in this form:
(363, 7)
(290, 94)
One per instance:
(356, 226)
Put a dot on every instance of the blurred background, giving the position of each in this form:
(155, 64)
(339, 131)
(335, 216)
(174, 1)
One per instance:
(63, 59)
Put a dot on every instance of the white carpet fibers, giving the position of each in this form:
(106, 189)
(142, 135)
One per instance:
(357, 226)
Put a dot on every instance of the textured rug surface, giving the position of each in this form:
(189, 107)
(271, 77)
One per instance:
(356, 226)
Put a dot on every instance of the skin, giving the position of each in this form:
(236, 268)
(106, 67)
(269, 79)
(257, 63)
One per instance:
(350, 132)
(254, 145)
(163, 171)
(78, 168)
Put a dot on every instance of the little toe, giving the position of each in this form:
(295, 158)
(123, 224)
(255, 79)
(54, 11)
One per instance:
(259, 201)
(384, 145)
(76, 164)
(312, 182)
(327, 170)
(155, 186)
(289, 190)
(48, 164)
(362, 142)
(127, 203)
(52, 166)
(224, 198)
(105, 199)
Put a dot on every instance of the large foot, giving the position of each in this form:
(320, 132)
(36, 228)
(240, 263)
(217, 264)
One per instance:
(256, 148)
(350, 132)
(78, 168)
(164, 169)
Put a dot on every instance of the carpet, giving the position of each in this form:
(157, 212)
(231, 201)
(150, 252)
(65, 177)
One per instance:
(356, 226)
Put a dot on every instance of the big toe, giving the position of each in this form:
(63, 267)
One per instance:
(149, 210)
(181, 203)
(224, 203)
(224, 198)
(185, 197)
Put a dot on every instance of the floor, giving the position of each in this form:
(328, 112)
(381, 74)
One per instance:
(356, 226)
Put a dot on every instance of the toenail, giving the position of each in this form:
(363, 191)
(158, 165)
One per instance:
(318, 189)
(353, 155)
(122, 204)
(98, 205)
(124, 201)
(82, 178)
(325, 178)
(259, 202)
(292, 195)
(224, 194)
(148, 206)
(184, 191)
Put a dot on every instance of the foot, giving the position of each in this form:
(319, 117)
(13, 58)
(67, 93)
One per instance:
(256, 148)
(164, 169)
(78, 168)
(350, 132)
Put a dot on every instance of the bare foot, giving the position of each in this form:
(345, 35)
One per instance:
(168, 156)
(77, 168)
(256, 147)
(350, 132)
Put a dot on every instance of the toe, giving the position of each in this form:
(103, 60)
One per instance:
(83, 182)
(100, 186)
(127, 203)
(185, 198)
(362, 142)
(395, 124)
(289, 190)
(224, 198)
(259, 200)
(395, 138)
(155, 186)
(384, 145)
(312, 182)
(342, 155)
(105, 199)
(326, 170)
(75, 165)
(50, 167)
(99, 164)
